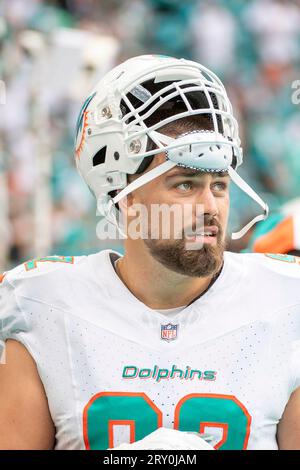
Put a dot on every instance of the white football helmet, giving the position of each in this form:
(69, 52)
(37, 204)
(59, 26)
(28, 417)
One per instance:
(118, 132)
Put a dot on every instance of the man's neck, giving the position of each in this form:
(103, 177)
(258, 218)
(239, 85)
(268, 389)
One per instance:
(155, 285)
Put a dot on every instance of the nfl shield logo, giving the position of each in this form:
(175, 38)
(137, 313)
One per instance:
(168, 332)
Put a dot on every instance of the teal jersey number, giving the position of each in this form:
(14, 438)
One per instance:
(197, 411)
(107, 409)
(194, 412)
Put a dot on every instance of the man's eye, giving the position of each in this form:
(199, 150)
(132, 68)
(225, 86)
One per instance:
(220, 186)
(184, 186)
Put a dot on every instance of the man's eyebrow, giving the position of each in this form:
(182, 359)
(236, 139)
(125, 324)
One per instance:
(192, 173)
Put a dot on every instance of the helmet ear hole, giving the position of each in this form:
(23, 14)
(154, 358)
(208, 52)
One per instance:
(99, 157)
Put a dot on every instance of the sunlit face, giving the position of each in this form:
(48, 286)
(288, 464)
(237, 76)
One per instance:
(204, 198)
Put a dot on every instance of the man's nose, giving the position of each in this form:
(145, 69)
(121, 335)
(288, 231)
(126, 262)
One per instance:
(208, 201)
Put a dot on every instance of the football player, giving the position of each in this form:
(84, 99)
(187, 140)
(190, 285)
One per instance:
(104, 350)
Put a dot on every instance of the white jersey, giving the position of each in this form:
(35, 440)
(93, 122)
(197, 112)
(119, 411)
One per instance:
(114, 370)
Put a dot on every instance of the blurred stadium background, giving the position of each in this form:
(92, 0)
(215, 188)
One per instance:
(53, 52)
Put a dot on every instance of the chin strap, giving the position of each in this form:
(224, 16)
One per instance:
(248, 190)
(149, 176)
(106, 205)
(163, 168)
(107, 208)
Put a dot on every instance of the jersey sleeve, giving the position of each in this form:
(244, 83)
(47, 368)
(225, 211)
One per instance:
(31, 279)
(12, 320)
(36, 279)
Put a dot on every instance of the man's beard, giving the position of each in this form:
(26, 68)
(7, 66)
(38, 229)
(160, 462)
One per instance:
(174, 255)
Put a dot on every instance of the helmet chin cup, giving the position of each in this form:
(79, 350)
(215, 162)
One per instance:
(202, 150)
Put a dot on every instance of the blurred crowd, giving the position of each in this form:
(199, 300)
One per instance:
(53, 52)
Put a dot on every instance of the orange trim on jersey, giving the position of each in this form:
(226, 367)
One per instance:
(2, 276)
(116, 422)
(116, 394)
(214, 395)
(278, 240)
(82, 140)
(224, 427)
